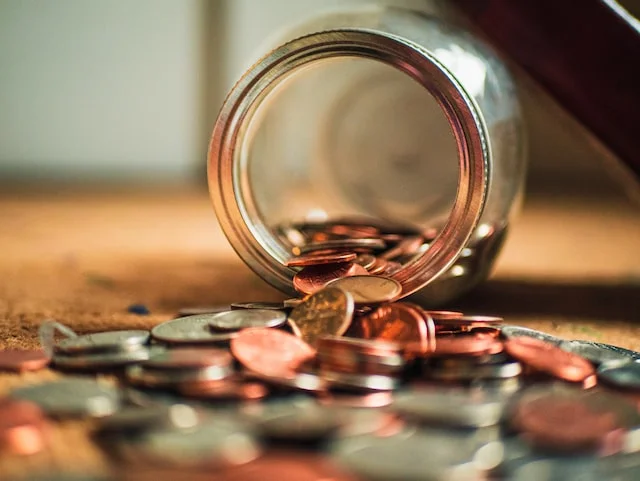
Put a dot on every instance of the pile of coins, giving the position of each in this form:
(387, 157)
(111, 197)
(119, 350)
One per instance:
(345, 383)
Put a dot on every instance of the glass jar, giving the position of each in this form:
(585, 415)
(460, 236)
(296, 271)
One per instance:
(379, 113)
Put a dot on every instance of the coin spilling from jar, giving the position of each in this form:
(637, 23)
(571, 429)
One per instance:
(343, 383)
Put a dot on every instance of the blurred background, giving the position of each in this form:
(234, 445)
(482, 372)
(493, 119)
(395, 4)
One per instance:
(127, 92)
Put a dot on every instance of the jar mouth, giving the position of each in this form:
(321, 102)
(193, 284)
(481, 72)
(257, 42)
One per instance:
(237, 213)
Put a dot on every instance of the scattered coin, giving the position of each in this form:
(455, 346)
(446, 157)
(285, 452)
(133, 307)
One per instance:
(598, 352)
(546, 357)
(71, 397)
(519, 331)
(313, 278)
(398, 322)
(276, 306)
(18, 360)
(317, 259)
(327, 312)
(235, 320)
(103, 342)
(625, 375)
(100, 360)
(360, 382)
(190, 330)
(23, 428)
(369, 289)
(270, 352)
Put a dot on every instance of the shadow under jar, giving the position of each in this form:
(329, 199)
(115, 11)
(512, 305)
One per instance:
(376, 117)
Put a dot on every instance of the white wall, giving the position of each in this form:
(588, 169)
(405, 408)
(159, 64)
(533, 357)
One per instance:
(101, 88)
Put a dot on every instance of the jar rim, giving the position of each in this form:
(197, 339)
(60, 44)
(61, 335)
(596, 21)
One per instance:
(253, 241)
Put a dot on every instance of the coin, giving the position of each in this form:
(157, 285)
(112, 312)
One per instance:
(313, 278)
(467, 345)
(190, 330)
(505, 370)
(444, 315)
(360, 382)
(227, 390)
(316, 259)
(406, 247)
(548, 358)
(19, 360)
(346, 244)
(270, 352)
(397, 322)
(100, 360)
(369, 289)
(297, 381)
(349, 355)
(598, 352)
(197, 310)
(103, 341)
(173, 378)
(469, 322)
(625, 375)
(71, 397)
(510, 331)
(459, 408)
(235, 320)
(190, 358)
(327, 312)
(366, 260)
(276, 306)
(23, 428)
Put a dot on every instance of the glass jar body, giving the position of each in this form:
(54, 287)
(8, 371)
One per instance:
(378, 112)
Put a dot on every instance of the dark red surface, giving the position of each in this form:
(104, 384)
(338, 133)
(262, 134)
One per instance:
(582, 52)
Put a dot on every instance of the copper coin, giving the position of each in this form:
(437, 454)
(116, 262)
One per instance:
(327, 312)
(378, 267)
(444, 315)
(23, 428)
(369, 289)
(313, 278)
(366, 260)
(397, 322)
(344, 244)
(468, 322)
(353, 231)
(270, 352)
(406, 247)
(224, 390)
(189, 358)
(467, 345)
(545, 357)
(17, 360)
(314, 260)
(563, 424)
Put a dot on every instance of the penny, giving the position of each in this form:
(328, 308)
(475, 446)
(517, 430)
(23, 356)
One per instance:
(327, 312)
(313, 278)
(563, 423)
(18, 360)
(468, 322)
(103, 341)
(444, 315)
(369, 289)
(313, 260)
(276, 306)
(342, 354)
(407, 246)
(378, 267)
(597, 352)
(270, 352)
(398, 322)
(190, 330)
(345, 244)
(189, 358)
(467, 345)
(71, 397)
(366, 260)
(545, 357)
(23, 428)
(227, 390)
(235, 320)
(624, 375)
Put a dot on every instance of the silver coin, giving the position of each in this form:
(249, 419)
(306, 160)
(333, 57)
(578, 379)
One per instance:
(624, 375)
(518, 331)
(105, 360)
(198, 310)
(273, 306)
(103, 341)
(360, 382)
(71, 397)
(140, 376)
(188, 358)
(368, 289)
(133, 419)
(301, 381)
(235, 320)
(451, 407)
(597, 352)
(190, 330)
(211, 444)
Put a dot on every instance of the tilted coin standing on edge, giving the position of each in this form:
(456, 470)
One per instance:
(369, 289)
(327, 312)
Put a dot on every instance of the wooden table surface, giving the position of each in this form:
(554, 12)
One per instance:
(570, 267)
